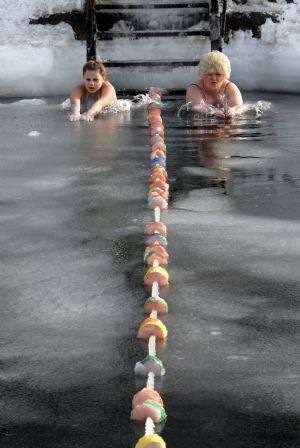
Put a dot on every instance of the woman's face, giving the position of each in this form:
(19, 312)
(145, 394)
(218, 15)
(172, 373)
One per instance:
(92, 81)
(213, 80)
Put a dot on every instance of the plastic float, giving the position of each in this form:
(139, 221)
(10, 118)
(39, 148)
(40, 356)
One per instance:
(156, 274)
(150, 363)
(159, 145)
(152, 326)
(157, 153)
(157, 171)
(157, 237)
(151, 441)
(147, 404)
(149, 409)
(154, 226)
(146, 394)
(156, 252)
(156, 303)
(159, 183)
(158, 174)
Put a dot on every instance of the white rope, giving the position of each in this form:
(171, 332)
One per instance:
(152, 345)
(154, 314)
(156, 214)
(150, 381)
(152, 339)
(149, 426)
(155, 290)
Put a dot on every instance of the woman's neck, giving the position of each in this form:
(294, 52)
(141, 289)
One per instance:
(210, 91)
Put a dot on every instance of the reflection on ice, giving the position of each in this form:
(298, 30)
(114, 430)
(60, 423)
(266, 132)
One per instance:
(237, 357)
(196, 201)
(34, 134)
(239, 157)
(27, 102)
(72, 270)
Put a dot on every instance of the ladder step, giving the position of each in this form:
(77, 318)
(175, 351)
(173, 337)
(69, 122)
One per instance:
(161, 33)
(156, 63)
(100, 7)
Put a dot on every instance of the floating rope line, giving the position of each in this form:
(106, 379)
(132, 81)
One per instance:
(147, 404)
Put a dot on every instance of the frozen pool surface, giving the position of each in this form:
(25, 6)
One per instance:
(73, 211)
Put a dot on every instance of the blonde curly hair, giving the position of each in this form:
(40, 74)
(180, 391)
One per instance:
(215, 61)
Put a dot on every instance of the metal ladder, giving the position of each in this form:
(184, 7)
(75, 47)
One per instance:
(100, 19)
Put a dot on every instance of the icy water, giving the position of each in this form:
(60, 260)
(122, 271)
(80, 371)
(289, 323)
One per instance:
(73, 211)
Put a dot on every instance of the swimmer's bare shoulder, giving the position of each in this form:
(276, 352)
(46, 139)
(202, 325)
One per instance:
(193, 94)
(109, 90)
(233, 95)
(78, 92)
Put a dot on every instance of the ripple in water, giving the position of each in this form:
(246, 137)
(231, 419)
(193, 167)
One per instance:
(205, 110)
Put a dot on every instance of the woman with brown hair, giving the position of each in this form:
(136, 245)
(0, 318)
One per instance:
(95, 90)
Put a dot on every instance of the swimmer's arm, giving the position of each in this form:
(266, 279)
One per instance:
(196, 101)
(193, 96)
(234, 99)
(76, 96)
(108, 94)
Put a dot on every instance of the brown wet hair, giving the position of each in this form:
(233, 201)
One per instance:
(94, 65)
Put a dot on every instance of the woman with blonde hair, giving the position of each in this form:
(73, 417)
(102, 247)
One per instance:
(213, 91)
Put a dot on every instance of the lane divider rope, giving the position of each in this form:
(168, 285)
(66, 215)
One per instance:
(147, 404)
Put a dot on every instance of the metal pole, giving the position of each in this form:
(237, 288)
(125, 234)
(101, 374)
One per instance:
(91, 29)
(223, 25)
(214, 24)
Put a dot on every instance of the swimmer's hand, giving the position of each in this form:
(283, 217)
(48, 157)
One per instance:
(75, 117)
(201, 107)
(87, 117)
(225, 112)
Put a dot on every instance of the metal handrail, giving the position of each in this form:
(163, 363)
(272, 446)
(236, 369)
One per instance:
(223, 22)
(91, 29)
(217, 20)
(203, 4)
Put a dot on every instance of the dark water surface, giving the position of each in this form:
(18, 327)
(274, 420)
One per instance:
(73, 211)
